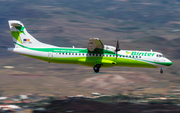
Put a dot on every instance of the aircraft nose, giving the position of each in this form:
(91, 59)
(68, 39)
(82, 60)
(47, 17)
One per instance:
(168, 62)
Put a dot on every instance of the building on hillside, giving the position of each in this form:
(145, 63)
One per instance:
(8, 107)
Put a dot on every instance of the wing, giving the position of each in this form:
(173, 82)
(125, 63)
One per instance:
(94, 43)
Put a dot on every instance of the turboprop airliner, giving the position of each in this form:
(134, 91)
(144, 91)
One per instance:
(96, 54)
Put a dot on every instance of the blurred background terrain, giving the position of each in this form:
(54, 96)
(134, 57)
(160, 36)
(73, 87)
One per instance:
(139, 25)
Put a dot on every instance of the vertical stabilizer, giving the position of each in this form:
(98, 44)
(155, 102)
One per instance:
(22, 38)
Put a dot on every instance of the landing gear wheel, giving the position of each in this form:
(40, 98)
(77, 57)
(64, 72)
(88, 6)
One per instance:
(96, 68)
(161, 71)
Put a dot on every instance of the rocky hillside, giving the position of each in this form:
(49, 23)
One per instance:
(86, 106)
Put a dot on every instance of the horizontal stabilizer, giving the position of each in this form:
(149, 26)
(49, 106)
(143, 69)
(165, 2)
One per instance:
(16, 25)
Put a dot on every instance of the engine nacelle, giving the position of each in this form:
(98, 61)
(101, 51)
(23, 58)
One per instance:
(110, 48)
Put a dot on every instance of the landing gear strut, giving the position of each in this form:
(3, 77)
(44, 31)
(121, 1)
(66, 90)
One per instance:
(161, 70)
(96, 68)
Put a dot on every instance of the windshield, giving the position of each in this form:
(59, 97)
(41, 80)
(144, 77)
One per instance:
(159, 55)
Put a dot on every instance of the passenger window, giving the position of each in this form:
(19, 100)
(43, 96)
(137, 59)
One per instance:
(110, 55)
(156, 55)
(133, 56)
(59, 53)
(126, 56)
(63, 53)
(66, 53)
(129, 56)
(76, 54)
(72, 53)
(136, 56)
(79, 54)
(139, 56)
(83, 54)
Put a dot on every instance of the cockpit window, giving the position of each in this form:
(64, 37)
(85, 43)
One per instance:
(159, 55)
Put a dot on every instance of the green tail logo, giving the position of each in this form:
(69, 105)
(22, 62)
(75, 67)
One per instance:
(16, 34)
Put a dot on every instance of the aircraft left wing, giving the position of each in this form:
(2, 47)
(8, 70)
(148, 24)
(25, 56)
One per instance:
(95, 43)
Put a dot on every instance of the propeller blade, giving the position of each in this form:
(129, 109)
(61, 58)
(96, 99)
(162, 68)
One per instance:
(116, 55)
(117, 48)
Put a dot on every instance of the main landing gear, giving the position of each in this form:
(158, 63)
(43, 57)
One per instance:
(96, 68)
(161, 70)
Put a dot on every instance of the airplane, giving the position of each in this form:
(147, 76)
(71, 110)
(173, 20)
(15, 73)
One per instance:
(96, 54)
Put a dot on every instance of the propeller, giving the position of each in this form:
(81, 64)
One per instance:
(117, 48)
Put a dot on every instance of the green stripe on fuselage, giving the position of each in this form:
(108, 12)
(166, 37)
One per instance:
(134, 63)
(91, 61)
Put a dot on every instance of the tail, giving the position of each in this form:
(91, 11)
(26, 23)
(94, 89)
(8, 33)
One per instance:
(22, 38)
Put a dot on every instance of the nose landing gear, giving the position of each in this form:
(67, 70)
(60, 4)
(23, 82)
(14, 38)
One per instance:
(161, 70)
(96, 68)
